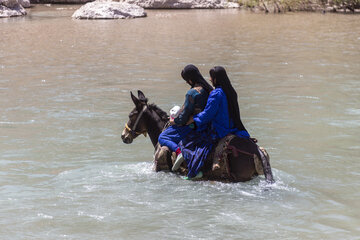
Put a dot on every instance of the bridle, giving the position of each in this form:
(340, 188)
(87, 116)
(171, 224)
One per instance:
(133, 132)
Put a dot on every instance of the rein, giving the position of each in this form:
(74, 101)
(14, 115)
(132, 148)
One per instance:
(136, 123)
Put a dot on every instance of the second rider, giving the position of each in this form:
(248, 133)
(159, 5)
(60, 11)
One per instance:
(195, 102)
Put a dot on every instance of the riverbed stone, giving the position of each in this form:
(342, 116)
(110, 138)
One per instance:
(184, 4)
(109, 10)
(11, 8)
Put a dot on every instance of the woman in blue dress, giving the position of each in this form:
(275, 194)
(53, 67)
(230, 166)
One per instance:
(222, 108)
(220, 117)
(195, 101)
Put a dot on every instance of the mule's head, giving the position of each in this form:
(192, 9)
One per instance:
(136, 124)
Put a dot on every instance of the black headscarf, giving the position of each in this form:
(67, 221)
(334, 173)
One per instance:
(218, 74)
(192, 73)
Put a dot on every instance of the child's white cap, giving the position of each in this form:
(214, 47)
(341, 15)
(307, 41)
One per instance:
(174, 112)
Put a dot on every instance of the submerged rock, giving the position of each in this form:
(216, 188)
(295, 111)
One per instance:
(11, 8)
(109, 10)
(184, 4)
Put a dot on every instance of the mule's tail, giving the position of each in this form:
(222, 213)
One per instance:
(265, 161)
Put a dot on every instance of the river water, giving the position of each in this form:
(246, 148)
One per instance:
(65, 96)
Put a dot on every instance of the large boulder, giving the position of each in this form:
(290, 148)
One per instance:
(11, 8)
(109, 10)
(184, 4)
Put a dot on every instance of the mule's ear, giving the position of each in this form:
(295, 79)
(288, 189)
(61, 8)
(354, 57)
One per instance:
(142, 97)
(135, 100)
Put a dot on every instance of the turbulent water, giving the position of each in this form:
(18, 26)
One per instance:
(65, 97)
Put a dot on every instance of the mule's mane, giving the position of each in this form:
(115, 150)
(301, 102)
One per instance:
(163, 115)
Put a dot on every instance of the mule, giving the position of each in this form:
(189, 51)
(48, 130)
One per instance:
(232, 159)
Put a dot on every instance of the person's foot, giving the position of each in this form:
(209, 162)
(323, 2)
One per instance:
(178, 162)
(215, 166)
(198, 176)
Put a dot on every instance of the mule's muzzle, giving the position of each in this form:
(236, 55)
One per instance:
(126, 137)
(126, 140)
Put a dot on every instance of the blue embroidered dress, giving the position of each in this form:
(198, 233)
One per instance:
(212, 124)
(216, 112)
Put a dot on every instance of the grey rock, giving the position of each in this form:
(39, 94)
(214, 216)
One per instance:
(184, 4)
(109, 10)
(11, 8)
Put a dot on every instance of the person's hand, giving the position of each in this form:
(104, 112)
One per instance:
(172, 122)
(191, 120)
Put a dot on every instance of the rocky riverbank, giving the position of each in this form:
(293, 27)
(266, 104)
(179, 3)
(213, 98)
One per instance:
(281, 6)
(268, 6)
(10, 8)
(159, 4)
(184, 4)
(106, 9)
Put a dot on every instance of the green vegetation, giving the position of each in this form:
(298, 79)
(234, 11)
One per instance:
(278, 6)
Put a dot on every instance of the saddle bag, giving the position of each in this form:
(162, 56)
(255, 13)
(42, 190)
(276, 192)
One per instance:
(234, 159)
